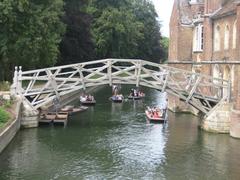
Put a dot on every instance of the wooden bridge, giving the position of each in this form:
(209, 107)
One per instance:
(41, 86)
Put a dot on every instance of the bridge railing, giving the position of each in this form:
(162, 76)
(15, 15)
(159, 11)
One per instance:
(41, 86)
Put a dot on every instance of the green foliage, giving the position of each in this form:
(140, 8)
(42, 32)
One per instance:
(149, 47)
(77, 44)
(4, 86)
(30, 33)
(117, 33)
(164, 44)
(7, 104)
(4, 116)
(125, 29)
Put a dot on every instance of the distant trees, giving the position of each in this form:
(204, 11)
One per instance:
(77, 44)
(33, 32)
(30, 31)
(125, 29)
(164, 48)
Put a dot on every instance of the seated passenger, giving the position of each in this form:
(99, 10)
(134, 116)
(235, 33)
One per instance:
(155, 114)
(83, 98)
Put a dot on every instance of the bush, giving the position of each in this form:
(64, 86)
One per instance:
(5, 103)
(4, 86)
(4, 116)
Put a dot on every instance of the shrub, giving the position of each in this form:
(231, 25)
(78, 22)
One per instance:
(4, 116)
(4, 86)
(7, 104)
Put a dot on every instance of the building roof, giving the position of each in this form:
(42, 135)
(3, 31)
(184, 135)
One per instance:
(228, 9)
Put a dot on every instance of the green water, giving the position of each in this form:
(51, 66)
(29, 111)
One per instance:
(114, 141)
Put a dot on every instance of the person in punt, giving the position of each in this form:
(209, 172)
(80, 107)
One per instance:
(155, 114)
(132, 92)
(83, 97)
(89, 98)
(135, 92)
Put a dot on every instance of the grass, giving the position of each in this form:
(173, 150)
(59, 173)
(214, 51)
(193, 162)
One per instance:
(4, 116)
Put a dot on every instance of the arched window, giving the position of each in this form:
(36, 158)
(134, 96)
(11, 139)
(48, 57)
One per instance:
(234, 43)
(226, 37)
(217, 42)
(217, 75)
(226, 76)
(198, 38)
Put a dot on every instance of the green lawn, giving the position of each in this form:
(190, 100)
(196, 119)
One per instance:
(4, 116)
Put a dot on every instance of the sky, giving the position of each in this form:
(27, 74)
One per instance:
(164, 10)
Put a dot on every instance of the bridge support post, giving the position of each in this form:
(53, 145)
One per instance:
(13, 89)
(218, 120)
(30, 116)
(138, 73)
(109, 71)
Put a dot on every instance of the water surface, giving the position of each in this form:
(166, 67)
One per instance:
(114, 141)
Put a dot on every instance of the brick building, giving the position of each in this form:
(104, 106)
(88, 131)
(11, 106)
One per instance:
(208, 30)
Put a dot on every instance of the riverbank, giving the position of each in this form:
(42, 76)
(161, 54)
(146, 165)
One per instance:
(4, 117)
(9, 121)
(5, 109)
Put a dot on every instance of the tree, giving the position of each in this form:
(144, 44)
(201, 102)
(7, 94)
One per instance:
(117, 33)
(149, 46)
(30, 32)
(115, 30)
(125, 29)
(164, 47)
(77, 44)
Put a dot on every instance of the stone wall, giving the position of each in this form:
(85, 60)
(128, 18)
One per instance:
(235, 124)
(218, 120)
(29, 116)
(10, 131)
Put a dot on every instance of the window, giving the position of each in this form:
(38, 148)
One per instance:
(217, 43)
(217, 75)
(198, 38)
(226, 37)
(195, 1)
(234, 43)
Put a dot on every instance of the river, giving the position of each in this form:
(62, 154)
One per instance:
(115, 141)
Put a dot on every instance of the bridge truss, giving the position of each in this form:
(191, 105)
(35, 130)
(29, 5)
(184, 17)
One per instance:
(41, 86)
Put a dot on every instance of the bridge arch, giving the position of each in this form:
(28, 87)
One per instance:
(41, 86)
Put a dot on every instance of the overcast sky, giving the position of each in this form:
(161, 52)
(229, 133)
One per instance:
(164, 10)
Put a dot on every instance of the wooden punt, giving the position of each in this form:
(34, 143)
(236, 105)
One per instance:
(73, 110)
(67, 108)
(78, 109)
(116, 100)
(47, 118)
(61, 117)
(89, 103)
(160, 119)
(136, 97)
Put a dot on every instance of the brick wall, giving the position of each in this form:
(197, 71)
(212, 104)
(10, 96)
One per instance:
(212, 5)
(230, 53)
